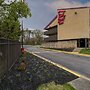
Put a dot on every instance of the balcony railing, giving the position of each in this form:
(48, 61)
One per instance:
(51, 31)
(51, 38)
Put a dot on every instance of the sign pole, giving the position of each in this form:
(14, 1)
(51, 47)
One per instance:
(22, 34)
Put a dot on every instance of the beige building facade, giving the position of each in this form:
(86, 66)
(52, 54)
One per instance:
(74, 32)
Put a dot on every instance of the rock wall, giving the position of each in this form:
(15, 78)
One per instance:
(61, 44)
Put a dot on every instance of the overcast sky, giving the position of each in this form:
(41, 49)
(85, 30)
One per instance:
(43, 11)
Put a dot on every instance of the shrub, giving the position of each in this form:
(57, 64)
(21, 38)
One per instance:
(53, 86)
(85, 51)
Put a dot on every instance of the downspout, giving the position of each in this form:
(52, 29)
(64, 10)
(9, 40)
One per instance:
(89, 30)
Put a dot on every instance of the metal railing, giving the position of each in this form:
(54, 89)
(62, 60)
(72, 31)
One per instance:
(9, 53)
(51, 38)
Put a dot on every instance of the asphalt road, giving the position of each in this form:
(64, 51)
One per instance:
(79, 64)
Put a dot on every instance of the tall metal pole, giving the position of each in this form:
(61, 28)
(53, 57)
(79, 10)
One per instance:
(22, 34)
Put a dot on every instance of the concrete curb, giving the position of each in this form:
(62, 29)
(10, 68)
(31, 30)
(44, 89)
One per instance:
(60, 66)
(73, 53)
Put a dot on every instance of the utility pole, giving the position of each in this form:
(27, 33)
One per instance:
(22, 34)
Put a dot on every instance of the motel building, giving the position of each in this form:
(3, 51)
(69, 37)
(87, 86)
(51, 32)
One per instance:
(69, 29)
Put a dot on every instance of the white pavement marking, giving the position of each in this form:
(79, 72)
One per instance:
(33, 52)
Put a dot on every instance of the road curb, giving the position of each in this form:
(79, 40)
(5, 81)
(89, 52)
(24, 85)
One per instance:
(60, 66)
(73, 53)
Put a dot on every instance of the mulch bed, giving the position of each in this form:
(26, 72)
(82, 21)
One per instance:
(37, 72)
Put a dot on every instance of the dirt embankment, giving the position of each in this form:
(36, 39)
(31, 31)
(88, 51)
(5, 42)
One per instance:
(37, 72)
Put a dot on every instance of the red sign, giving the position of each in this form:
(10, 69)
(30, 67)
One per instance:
(22, 50)
(61, 16)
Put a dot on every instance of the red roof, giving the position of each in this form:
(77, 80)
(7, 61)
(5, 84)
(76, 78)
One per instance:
(73, 8)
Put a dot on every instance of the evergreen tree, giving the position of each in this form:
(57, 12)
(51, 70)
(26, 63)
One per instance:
(9, 18)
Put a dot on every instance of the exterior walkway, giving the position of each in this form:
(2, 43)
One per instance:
(80, 84)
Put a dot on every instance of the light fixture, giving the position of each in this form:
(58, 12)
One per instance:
(75, 12)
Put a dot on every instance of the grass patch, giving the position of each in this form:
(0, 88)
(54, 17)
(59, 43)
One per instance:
(53, 86)
(85, 51)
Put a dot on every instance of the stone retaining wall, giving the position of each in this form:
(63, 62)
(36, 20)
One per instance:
(61, 44)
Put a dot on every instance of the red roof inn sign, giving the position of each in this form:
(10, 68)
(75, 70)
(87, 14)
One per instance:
(61, 16)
